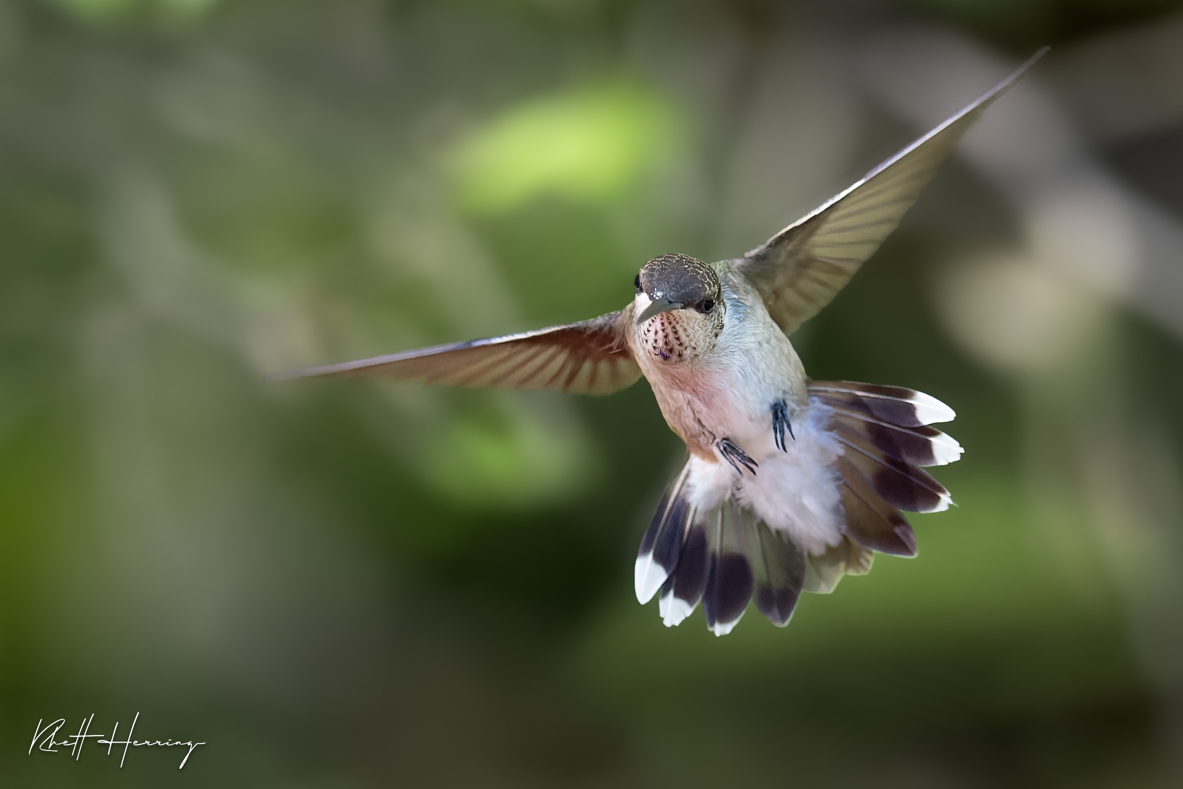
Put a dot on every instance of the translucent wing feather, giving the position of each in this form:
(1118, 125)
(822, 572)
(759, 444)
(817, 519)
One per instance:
(804, 266)
(587, 358)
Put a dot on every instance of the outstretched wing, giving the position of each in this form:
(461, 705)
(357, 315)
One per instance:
(591, 357)
(804, 266)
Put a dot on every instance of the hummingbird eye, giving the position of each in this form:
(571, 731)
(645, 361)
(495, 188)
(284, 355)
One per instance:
(706, 305)
(637, 282)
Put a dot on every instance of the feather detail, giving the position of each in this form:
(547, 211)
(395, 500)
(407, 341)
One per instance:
(779, 567)
(894, 405)
(682, 591)
(870, 521)
(729, 575)
(825, 570)
(884, 431)
(662, 544)
(886, 439)
(728, 557)
(901, 484)
(922, 445)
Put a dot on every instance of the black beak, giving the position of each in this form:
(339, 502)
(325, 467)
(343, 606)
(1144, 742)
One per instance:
(657, 307)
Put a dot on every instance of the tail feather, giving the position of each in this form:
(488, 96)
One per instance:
(892, 404)
(729, 577)
(728, 557)
(921, 446)
(779, 566)
(825, 570)
(662, 544)
(901, 485)
(870, 521)
(886, 439)
(682, 591)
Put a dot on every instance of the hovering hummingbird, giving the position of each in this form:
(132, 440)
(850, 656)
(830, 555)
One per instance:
(791, 483)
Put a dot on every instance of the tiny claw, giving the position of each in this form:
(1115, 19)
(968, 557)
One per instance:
(736, 456)
(780, 421)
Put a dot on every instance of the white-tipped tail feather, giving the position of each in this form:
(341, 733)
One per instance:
(662, 544)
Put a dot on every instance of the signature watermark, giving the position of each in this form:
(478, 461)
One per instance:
(45, 740)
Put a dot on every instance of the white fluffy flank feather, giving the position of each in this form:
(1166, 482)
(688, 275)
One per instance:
(796, 491)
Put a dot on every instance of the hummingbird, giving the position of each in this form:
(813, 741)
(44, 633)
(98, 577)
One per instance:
(790, 483)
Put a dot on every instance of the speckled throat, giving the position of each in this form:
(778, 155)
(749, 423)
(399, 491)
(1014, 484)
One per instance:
(670, 337)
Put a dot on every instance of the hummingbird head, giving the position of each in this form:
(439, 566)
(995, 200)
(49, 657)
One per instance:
(679, 307)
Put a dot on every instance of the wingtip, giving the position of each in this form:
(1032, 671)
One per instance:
(1028, 63)
(1009, 81)
(283, 375)
(310, 372)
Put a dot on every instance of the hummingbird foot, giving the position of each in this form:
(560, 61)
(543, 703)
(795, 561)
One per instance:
(736, 456)
(780, 421)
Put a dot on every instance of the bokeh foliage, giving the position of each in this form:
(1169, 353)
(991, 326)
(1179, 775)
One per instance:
(358, 583)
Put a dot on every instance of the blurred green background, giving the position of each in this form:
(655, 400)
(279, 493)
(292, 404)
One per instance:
(353, 583)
